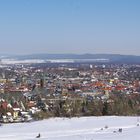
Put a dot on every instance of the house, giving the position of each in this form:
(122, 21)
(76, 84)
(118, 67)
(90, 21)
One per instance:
(15, 112)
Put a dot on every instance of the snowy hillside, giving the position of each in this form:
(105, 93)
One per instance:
(85, 128)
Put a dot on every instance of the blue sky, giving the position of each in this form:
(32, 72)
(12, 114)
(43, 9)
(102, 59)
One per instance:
(70, 26)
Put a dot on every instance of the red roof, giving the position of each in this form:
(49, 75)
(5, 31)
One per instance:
(4, 105)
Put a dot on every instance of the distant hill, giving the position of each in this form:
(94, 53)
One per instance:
(113, 58)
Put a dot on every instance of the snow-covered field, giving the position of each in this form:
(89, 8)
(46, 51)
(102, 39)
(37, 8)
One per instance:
(31, 61)
(84, 128)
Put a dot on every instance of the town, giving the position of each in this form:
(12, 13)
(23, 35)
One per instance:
(30, 92)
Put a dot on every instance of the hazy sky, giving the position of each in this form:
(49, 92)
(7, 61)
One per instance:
(70, 26)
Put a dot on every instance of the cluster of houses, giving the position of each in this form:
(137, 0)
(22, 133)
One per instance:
(51, 83)
(12, 113)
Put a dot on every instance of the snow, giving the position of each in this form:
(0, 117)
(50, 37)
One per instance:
(27, 61)
(84, 128)
(31, 61)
